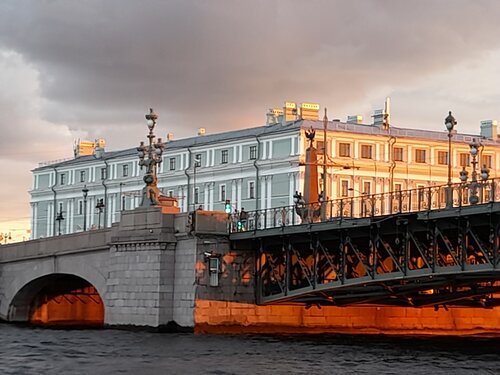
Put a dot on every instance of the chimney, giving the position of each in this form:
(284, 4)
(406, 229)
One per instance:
(489, 129)
(99, 147)
(309, 111)
(290, 112)
(378, 117)
(273, 116)
(170, 137)
(201, 131)
(355, 119)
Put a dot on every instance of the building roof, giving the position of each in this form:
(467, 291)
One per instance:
(179, 144)
(277, 128)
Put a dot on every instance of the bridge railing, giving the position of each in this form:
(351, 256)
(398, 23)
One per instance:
(370, 205)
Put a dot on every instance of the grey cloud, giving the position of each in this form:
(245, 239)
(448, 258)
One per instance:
(223, 63)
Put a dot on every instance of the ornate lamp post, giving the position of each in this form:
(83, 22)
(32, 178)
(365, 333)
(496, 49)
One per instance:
(85, 192)
(474, 149)
(5, 237)
(100, 206)
(59, 218)
(485, 174)
(450, 123)
(150, 156)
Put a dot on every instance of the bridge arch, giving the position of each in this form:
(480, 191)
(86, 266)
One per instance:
(57, 299)
(25, 282)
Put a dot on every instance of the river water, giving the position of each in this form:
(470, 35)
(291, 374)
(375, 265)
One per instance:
(25, 350)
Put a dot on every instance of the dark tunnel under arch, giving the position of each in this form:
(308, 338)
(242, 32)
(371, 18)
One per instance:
(58, 300)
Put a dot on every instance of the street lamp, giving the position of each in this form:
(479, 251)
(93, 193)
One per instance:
(85, 192)
(100, 205)
(150, 156)
(450, 123)
(474, 149)
(5, 236)
(59, 218)
(485, 174)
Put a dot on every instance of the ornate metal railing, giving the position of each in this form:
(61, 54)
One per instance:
(366, 206)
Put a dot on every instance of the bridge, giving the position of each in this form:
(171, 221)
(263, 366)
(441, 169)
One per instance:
(406, 248)
(140, 272)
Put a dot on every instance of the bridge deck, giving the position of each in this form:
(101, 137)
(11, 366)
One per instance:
(435, 256)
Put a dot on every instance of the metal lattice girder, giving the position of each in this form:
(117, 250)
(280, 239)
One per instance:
(407, 260)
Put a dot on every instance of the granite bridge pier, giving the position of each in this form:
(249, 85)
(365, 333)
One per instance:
(396, 263)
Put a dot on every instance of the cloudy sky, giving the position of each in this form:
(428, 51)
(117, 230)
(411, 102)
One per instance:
(88, 69)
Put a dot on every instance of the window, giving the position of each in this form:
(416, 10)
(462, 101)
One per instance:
(222, 192)
(62, 179)
(487, 160)
(443, 157)
(172, 164)
(345, 149)
(253, 152)
(224, 156)
(464, 159)
(398, 187)
(421, 194)
(344, 188)
(420, 156)
(320, 146)
(80, 207)
(196, 195)
(82, 176)
(367, 187)
(251, 189)
(103, 173)
(125, 170)
(197, 160)
(366, 151)
(123, 206)
(398, 153)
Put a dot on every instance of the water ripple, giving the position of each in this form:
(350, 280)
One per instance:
(27, 351)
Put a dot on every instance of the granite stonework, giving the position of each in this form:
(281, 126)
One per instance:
(152, 267)
(145, 268)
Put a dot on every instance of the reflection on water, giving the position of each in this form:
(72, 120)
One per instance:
(25, 350)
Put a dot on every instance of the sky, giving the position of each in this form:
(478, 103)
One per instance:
(88, 69)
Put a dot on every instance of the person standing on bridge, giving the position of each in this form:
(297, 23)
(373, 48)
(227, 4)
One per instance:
(242, 224)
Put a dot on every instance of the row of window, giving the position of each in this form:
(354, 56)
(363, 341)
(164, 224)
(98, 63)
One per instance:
(366, 188)
(83, 175)
(172, 165)
(223, 195)
(125, 167)
(420, 155)
(224, 158)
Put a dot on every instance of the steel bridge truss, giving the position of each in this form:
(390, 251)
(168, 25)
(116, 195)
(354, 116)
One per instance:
(406, 260)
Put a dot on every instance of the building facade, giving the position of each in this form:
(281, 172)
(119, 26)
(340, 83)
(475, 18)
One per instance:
(254, 168)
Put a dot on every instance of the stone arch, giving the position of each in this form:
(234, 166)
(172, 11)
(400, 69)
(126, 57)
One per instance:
(57, 299)
(28, 278)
